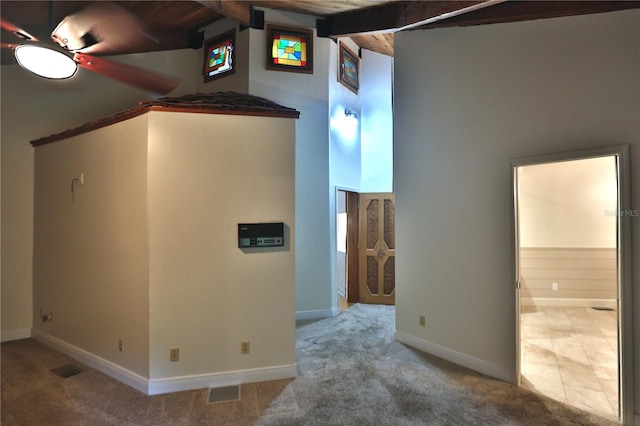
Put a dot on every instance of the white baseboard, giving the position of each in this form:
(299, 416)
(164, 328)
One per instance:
(94, 361)
(580, 303)
(214, 380)
(9, 335)
(169, 384)
(319, 314)
(456, 357)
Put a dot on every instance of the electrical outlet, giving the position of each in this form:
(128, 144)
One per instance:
(554, 286)
(46, 317)
(81, 179)
(245, 347)
(121, 344)
(174, 354)
(423, 320)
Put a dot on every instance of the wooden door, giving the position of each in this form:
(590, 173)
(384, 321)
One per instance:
(377, 249)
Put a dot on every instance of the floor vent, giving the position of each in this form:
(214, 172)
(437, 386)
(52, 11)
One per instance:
(602, 308)
(66, 371)
(227, 393)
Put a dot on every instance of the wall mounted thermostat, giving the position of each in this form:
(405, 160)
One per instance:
(260, 234)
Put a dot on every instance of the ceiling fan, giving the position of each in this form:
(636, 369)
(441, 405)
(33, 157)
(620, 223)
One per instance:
(99, 28)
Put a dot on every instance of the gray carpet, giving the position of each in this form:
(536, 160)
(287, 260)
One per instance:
(351, 372)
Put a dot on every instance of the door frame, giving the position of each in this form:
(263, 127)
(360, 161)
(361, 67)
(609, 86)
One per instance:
(625, 301)
(352, 245)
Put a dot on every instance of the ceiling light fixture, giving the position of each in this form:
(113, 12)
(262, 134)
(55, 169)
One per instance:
(45, 62)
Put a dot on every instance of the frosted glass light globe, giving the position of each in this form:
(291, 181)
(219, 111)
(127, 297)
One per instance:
(45, 62)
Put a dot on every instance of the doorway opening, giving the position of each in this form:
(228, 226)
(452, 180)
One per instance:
(573, 315)
(365, 250)
(347, 247)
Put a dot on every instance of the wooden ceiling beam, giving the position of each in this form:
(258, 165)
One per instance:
(513, 11)
(394, 16)
(371, 19)
(237, 10)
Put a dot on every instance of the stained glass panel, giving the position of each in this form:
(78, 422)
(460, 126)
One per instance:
(290, 49)
(219, 56)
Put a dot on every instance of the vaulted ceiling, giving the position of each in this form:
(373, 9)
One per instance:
(370, 23)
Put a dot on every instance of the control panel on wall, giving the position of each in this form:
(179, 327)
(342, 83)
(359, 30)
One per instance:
(261, 234)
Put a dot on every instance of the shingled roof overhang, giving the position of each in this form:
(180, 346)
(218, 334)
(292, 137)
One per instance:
(229, 103)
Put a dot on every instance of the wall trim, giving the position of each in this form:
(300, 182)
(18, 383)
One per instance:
(456, 357)
(19, 334)
(318, 314)
(228, 378)
(169, 384)
(94, 361)
(581, 303)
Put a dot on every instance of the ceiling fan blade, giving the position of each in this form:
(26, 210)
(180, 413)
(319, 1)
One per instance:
(18, 32)
(128, 74)
(101, 28)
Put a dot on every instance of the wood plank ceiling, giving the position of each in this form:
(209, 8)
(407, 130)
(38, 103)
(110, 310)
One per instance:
(370, 23)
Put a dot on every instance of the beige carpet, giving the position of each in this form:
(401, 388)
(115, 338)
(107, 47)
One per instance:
(351, 372)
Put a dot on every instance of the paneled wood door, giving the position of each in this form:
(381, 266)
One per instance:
(377, 249)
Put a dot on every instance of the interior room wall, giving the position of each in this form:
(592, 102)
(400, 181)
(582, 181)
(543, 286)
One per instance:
(568, 204)
(33, 107)
(91, 246)
(345, 157)
(309, 94)
(207, 173)
(376, 99)
(467, 101)
(568, 232)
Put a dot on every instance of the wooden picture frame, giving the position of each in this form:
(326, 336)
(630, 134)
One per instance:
(349, 69)
(219, 56)
(289, 49)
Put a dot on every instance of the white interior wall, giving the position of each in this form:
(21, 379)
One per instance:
(308, 93)
(33, 107)
(207, 173)
(376, 98)
(91, 247)
(474, 99)
(568, 204)
(344, 149)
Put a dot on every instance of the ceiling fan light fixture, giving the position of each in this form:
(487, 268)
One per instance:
(45, 62)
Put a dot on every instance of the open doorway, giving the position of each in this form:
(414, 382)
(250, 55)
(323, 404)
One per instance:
(571, 292)
(347, 247)
(365, 249)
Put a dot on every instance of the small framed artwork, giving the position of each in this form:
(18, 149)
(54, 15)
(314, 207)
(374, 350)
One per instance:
(219, 56)
(289, 49)
(349, 68)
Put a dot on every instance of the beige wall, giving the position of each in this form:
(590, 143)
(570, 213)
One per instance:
(568, 231)
(469, 103)
(587, 275)
(33, 107)
(147, 248)
(207, 173)
(91, 247)
(568, 204)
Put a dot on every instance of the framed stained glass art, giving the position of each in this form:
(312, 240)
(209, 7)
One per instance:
(289, 49)
(219, 56)
(349, 68)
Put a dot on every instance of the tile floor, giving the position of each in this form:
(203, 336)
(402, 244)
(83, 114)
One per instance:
(570, 354)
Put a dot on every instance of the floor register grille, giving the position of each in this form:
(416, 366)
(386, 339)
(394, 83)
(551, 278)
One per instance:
(223, 394)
